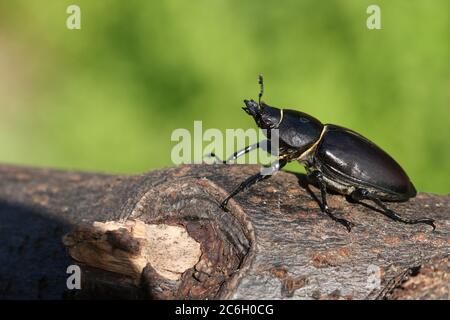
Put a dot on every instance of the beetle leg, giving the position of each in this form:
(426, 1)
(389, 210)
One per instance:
(361, 194)
(317, 176)
(241, 152)
(276, 166)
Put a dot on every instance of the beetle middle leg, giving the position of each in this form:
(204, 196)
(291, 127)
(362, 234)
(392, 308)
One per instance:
(363, 194)
(317, 176)
(268, 171)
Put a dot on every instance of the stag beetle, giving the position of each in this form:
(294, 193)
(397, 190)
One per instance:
(335, 158)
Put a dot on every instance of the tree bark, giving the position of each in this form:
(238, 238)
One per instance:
(161, 235)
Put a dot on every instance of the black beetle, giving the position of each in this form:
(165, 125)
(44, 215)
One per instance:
(335, 158)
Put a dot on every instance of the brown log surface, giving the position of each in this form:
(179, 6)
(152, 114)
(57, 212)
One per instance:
(274, 242)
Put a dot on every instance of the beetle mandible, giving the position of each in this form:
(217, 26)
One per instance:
(335, 158)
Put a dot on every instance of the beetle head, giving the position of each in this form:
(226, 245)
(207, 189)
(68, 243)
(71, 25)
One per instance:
(266, 117)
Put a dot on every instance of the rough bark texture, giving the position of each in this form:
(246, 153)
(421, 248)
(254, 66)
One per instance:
(162, 235)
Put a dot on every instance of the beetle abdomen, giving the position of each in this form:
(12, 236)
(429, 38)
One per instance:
(351, 157)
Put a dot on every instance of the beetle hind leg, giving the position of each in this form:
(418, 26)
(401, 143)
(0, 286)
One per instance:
(317, 176)
(363, 194)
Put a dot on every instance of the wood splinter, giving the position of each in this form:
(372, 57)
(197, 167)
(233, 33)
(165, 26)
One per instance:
(127, 248)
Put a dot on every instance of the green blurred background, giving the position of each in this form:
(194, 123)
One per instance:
(107, 97)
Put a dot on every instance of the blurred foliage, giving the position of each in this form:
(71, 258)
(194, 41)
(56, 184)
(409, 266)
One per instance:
(108, 96)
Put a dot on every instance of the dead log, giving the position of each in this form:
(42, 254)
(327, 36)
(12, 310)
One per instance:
(162, 235)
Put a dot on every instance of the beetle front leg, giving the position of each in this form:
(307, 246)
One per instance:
(276, 166)
(362, 194)
(317, 176)
(262, 144)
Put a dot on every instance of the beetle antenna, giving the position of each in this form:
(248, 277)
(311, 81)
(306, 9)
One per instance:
(261, 90)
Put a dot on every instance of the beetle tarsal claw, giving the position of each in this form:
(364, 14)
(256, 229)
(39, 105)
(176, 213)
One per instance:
(429, 222)
(217, 159)
(348, 224)
(224, 207)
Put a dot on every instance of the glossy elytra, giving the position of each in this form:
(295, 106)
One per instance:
(335, 158)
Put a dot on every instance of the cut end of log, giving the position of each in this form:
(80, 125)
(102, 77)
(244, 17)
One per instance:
(176, 244)
(127, 248)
